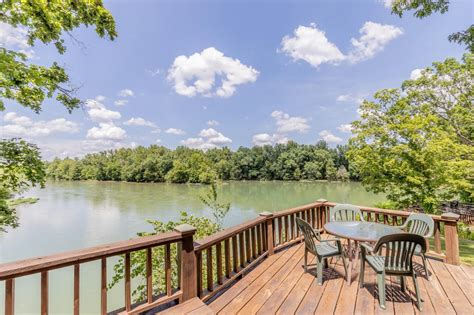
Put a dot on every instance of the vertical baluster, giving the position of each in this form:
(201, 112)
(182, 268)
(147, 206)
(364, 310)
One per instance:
(242, 250)
(259, 239)
(315, 218)
(103, 286)
(128, 287)
(292, 229)
(287, 237)
(179, 247)
(269, 235)
(44, 293)
(9, 296)
(385, 219)
(437, 237)
(149, 275)
(280, 241)
(254, 242)
(199, 273)
(228, 267)
(323, 216)
(248, 247)
(235, 255)
(77, 276)
(219, 262)
(210, 286)
(168, 269)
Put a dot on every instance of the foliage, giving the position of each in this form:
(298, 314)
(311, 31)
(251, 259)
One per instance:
(290, 161)
(416, 143)
(20, 201)
(424, 8)
(46, 21)
(20, 167)
(466, 250)
(204, 227)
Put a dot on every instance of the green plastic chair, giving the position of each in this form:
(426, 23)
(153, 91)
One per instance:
(423, 225)
(346, 212)
(398, 261)
(325, 249)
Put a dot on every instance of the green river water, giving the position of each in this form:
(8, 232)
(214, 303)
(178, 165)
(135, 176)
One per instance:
(73, 215)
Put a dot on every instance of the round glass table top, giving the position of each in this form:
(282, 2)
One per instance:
(360, 230)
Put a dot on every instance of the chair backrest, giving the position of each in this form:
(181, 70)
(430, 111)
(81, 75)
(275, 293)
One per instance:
(421, 224)
(346, 212)
(399, 249)
(309, 234)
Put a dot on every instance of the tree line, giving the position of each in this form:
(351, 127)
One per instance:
(291, 161)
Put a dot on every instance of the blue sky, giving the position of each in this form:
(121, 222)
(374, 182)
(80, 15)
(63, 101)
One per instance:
(282, 70)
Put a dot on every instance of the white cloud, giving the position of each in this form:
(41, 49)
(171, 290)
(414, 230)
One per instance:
(327, 136)
(158, 140)
(212, 123)
(126, 93)
(106, 131)
(153, 73)
(202, 68)
(22, 126)
(387, 3)
(311, 45)
(346, 128)
(208, 139)
(100, 98)
(15, 38)
(175, 131)
(121, 102)
(374, 37)
(416, 74)
(286, 123)
(138, 121)
(359, 98)
(99, 113)
(262, 139)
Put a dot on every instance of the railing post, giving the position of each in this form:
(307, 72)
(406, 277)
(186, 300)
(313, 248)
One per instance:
(188, 262)
(270, 242)
(321, 213)
(451, 237)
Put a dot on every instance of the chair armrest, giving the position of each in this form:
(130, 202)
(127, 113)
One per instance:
(365, 246)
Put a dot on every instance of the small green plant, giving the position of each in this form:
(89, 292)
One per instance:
(219, 210)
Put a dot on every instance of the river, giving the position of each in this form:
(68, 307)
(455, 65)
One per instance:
(73, 215)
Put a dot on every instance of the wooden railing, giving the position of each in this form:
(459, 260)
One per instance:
(209, 265)
(183, 235)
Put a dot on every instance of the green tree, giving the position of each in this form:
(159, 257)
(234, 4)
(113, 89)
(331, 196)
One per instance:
(416, 143)
(46, 21)
(20, 168)
(424, 8)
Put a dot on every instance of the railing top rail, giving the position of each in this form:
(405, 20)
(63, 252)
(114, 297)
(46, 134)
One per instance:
(220, 236)
(38, 264)
(298, 209)
(395, 212)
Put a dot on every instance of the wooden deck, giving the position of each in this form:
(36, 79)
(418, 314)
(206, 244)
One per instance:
(279, 286)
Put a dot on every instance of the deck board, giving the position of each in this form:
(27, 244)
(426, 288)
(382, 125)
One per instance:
(280, 286)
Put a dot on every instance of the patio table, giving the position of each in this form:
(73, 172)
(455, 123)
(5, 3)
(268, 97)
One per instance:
(358, 231)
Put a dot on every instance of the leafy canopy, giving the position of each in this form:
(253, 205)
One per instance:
(46, 21)
(424, 8)
(415, 143)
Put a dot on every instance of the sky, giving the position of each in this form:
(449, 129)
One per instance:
(208, 74)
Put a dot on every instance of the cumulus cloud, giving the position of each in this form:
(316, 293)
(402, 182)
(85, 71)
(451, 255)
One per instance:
(121, 102)
(106, 131)
(15, 38)
(175, 131)
(197, 74)
(416, 74)
(286, 123)
(374, 37)
(99, 113)
(358, 98)
(138, 121)
(22, 126)
(262, 139)
(310, 44)
(346, 128)
(212, 123)
(329, 137)
(208, 139)
(126, 93)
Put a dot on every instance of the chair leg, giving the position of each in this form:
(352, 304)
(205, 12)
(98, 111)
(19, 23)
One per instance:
(403, 284)
(320, 271)
(305, 260)
(345, 265)
(381, 286)
(425, 265)
(417, 291)
(361, 273)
